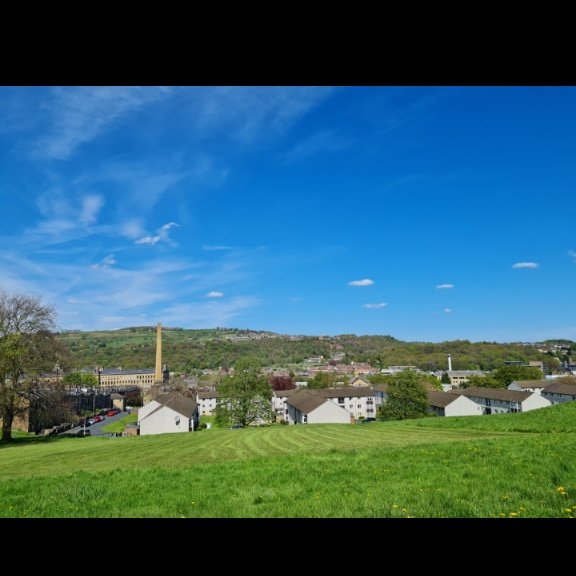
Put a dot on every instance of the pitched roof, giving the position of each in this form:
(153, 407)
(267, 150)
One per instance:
(440, 399)
(531, 383)
(345, 392)
(285, 393)
(561, 388)
(179, 403)
(494, 393)
(306, 401)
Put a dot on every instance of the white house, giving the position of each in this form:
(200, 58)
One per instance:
(172, 412)
(446, 404)
(499, 400)
(560, 392)
(207, 402)
(528, 385)
(359, 401)
(279, 398)
(307, 407)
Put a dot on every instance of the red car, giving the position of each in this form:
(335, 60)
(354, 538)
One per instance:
(112, 412)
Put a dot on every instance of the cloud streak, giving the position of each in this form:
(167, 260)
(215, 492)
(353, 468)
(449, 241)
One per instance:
(526, 265)
(214, 294)
(160, 236)
(80, 114)
(444, 286)
(364, 282)
(376, 306)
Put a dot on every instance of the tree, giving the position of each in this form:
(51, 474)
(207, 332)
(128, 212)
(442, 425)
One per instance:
(323, 380)
(279, 383)
(245, 396)
(27, 349)
(445, 378)
(407, 397)
(508, 374)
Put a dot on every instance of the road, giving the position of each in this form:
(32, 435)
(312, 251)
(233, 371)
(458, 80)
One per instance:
(96, 429)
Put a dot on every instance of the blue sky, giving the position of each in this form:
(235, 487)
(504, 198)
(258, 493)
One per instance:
(427, 213)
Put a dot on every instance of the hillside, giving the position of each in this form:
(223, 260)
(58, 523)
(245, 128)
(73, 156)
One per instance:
(438, 467)
(187, 350)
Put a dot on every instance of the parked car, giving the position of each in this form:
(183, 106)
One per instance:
(112, 412)
(366, 420)
(236, 426)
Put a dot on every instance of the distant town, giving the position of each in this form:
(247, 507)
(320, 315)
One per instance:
(331, 388)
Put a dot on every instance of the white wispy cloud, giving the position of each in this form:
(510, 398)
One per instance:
(323, 141)
(526, 265)
(447, 310)
(379, 305)
(209, 248)
(245, 113)
(364, 282)
(63, 217)
(572, 254)
(80, 114)
(160, 236)
(215, 294)
(106, 262)
(444, 286)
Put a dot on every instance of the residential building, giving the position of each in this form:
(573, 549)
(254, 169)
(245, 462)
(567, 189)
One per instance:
(359, 401)
(172, 412)
(528, 385)
(499, 400)
(446, 404)
(558, 392)
(207, 402)
(279, 398)
(308, 407)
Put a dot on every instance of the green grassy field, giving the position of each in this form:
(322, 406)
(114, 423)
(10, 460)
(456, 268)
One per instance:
(517, 465)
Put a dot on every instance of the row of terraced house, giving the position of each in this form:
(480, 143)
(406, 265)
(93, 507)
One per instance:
(353, 403)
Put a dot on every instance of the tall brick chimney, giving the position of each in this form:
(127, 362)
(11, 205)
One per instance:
(158, 376)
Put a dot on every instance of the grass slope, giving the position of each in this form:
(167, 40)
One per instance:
(498, 466)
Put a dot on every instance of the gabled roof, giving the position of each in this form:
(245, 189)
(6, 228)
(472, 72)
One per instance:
(531, 383)
(285, 393)
(306, 401)
(440, 399)
(345, 392)
(494, 393)
(561, 388)
(178, 402)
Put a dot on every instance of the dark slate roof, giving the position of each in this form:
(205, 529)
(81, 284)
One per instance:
(179, 403)
(440, 399)
(306, 401)
(494, 393)
(285, 393)
(561, 388)
(531, 383)
(345, 392)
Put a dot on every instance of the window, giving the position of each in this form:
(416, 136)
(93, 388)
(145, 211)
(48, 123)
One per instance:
(369, 400)
(340, 400)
